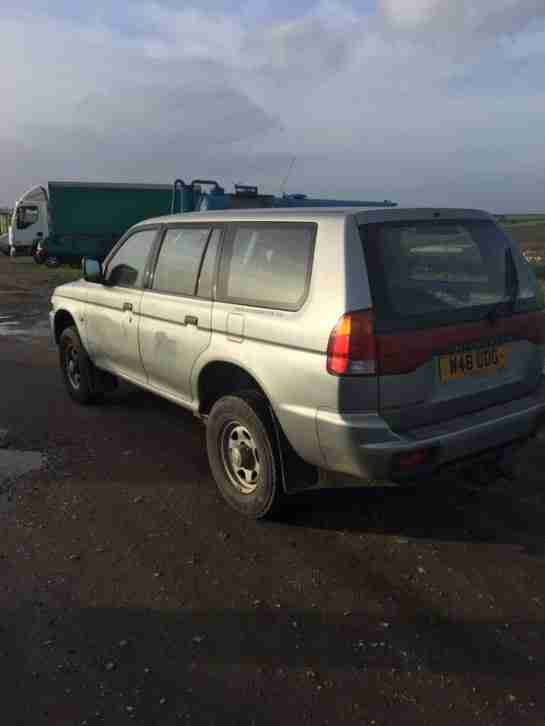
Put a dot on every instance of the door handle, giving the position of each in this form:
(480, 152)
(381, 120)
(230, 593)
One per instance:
(127, 306)
(191, 320)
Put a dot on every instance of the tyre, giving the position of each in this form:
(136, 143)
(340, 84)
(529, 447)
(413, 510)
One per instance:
(243, 454)
(78, 372)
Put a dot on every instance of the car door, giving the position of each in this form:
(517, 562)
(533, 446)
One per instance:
(113, 308)
(175, 320)
(30, 223)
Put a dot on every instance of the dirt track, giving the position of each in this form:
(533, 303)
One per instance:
(131, 594)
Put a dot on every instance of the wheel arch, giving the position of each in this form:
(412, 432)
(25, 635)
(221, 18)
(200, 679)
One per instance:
(220, 378)
(223, 377)
(64, 319)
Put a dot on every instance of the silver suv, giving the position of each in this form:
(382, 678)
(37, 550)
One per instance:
(320, 346)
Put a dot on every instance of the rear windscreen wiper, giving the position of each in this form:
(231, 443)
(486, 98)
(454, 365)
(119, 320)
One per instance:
(512, 288)
(515, 287)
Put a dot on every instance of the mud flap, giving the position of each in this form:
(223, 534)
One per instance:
(297, 475)
(102, 381)
(509, 461)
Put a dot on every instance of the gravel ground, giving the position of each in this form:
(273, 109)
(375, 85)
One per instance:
(130, 594)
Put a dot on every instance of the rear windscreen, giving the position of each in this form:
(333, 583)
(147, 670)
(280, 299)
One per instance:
(445, 270)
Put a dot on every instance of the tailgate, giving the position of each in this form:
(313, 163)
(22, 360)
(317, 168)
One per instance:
(459, 319)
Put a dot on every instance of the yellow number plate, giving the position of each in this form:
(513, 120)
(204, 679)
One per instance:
(455, 366)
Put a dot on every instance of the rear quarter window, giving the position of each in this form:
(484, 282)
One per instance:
(267, 264)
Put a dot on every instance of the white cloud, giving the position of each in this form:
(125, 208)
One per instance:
(192, 33)
(468, 16)
(426, 101)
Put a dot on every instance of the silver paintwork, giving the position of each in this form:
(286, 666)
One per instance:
(336, 424)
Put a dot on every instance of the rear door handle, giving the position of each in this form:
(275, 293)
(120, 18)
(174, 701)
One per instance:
(191, 320)
(127, 306)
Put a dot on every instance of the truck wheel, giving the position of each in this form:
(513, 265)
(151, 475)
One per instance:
(77, 368)
(38, 258)
(243, 455)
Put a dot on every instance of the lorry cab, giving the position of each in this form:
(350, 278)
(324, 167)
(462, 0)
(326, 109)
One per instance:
(30, 221)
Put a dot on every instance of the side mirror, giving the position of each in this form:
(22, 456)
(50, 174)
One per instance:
(92, 270)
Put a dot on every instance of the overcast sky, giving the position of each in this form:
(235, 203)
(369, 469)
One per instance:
(438, 102)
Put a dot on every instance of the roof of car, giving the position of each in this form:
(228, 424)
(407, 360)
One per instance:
(313, 214)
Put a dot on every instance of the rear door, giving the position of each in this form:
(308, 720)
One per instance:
(176, 311)
(457, 316)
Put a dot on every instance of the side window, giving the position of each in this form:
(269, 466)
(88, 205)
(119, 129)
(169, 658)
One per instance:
(26, 216)
(268, 264)
(180, 259)
(206, 277)
(126, 268)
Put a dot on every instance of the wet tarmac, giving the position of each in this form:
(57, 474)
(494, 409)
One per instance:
(24, 322)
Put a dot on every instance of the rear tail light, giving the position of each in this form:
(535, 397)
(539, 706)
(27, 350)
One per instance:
(412, 459)
(352, 349)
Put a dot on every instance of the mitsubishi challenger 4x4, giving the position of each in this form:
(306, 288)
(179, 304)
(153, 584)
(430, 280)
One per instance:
(321, 347)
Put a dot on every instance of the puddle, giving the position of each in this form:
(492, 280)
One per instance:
(15, 463)
(30, 323)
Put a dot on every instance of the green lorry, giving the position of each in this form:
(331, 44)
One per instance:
(65, 221)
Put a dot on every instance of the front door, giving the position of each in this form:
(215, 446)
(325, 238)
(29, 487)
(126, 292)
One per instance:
(30, 224)
(175, 320)
(113, 309)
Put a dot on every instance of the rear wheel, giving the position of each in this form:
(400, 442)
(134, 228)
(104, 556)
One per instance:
(78, 372)
(243, 456)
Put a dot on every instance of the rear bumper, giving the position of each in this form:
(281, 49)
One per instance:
(364, 446)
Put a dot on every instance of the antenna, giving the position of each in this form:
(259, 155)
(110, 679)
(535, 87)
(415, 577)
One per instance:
(283, 185)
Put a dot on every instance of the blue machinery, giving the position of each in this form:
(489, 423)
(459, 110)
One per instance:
(207, 195)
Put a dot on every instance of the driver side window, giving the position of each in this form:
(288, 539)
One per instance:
(27, 216)
(126, 268)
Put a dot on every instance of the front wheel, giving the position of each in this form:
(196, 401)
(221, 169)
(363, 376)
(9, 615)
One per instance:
(77, 368)
(243, 456)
